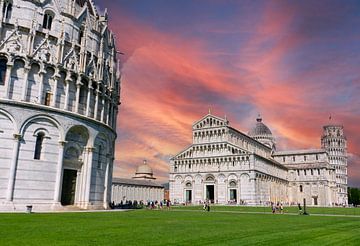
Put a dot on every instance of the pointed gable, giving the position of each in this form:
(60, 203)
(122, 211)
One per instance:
(210, 120)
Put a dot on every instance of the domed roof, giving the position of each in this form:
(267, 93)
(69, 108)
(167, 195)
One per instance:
(144, 169)
(260, 129)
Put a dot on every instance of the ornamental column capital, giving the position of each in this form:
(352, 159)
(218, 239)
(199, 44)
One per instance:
(17, 137)
(62, 143)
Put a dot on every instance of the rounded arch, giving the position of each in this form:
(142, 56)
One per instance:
(19, 58)
(79, 134)
(178, 179)
(210, 178)
(221, 177)
(5, 56)
(198, 178)
(39, 117)
(41, 130)
(11, 118)
(232, 176)
(188, 178)
(232, 183)
(245, 176)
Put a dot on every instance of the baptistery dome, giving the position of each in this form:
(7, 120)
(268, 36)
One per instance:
(262, 133)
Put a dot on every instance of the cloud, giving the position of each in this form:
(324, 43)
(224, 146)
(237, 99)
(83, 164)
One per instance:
(288, 63)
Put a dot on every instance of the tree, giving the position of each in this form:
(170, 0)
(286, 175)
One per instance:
(354, 196)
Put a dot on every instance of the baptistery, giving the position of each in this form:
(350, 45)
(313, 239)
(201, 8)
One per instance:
(59, 99)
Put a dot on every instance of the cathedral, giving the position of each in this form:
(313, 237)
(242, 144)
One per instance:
(226, 166)
(59, 99)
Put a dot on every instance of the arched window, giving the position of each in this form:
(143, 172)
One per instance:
(38, 145)
(301, 188)
(2, 71)
(7, 9)
(48, 19)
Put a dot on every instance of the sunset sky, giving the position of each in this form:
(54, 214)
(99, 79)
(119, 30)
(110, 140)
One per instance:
(294, 62)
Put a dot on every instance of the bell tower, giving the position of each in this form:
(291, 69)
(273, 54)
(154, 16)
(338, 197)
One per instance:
(334, 142)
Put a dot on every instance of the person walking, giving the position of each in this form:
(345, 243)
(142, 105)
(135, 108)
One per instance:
(300, 208)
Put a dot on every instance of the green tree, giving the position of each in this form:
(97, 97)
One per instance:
(354, 196)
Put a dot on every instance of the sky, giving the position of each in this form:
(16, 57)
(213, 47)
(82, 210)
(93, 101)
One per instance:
(294, 62)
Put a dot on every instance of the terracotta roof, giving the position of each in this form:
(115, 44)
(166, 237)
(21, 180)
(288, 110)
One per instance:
(136, 182)
(299, 152)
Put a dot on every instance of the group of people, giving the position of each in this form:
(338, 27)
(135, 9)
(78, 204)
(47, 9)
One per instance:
(206, 206)
(277, 208)
(159, 205)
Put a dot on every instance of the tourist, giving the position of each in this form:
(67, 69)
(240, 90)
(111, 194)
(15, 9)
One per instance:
(300, 208)
(168, 204)
(281, 208)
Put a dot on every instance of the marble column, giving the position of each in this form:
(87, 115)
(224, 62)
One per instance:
(103, 108)
(13, 167)
(59, 172)
(9, 67)
(67, 91)
(77, 101)
(97, 101)
(41, 85)
(106, 185)
(56, 84)
(88, 174)
(27, 69)
(88, 101)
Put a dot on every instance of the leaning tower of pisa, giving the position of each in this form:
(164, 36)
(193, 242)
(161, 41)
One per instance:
(334, 142)
(59, 98)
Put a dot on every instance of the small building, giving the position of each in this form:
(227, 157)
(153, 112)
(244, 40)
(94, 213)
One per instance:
(141, 187)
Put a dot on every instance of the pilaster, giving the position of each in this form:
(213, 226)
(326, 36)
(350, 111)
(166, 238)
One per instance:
(13, 167)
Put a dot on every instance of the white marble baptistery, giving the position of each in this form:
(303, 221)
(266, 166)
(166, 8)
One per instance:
(59, 98)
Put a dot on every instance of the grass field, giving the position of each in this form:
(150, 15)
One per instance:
(177, 227)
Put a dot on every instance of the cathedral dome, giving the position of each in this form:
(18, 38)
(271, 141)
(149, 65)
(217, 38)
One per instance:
(262, 133)
(260, 129)
(144, 171)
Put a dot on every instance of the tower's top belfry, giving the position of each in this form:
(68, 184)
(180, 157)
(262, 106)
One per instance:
(68, 41)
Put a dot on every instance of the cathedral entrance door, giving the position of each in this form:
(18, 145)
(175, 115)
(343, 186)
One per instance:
(210, 193)
(188, 196)
(68, 187)
(233, 195)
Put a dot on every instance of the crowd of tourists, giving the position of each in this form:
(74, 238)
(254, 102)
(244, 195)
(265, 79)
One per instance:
(128, 204)
(277, 208)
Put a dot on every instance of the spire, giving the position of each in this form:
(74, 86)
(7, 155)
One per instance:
(145, 162)
(259, 119)
(209, 110)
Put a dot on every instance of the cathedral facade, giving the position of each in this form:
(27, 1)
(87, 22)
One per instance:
(59, 98)
(226, 166)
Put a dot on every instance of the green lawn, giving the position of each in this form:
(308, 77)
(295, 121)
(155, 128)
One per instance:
(175, 227)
